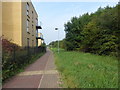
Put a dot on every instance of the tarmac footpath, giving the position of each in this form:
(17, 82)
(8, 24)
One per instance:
(41, 74)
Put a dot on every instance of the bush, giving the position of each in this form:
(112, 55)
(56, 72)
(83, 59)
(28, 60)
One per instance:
(15, 57)
(97, 33)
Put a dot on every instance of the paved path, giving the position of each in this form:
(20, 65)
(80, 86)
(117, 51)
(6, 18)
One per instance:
(41, 74)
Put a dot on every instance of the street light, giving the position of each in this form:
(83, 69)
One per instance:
(58, 38)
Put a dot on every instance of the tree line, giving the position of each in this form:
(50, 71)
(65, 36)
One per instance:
(97, 33)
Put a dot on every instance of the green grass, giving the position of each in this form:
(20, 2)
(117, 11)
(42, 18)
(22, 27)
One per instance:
(85, 70)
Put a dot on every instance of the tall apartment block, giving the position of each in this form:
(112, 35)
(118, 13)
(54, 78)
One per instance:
(20, 23)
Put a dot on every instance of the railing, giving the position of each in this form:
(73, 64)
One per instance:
(17, 58)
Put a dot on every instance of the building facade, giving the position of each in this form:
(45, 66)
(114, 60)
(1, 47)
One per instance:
(40, 39)
(20, 23)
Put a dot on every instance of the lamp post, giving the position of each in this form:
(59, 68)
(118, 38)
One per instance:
(58, 38)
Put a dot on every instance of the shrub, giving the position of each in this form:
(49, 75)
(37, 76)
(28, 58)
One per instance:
(15, 57)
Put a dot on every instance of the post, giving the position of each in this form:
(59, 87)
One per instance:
(58, 38)
(58, 41)
(28, 50)
(34, 51)
(13, 53)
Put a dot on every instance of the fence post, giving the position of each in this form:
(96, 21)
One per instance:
(34, 50)
(28, 50)
(14, 53)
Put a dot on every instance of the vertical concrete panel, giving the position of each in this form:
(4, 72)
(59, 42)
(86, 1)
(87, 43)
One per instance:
(7, 22)
(24, 25)
(11, 21)
(17, 23)
(0, 18)
(0, 44)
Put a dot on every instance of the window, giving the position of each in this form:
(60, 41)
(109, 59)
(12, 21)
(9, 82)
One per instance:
(27, 6)
(36, 21)
(27, 25)
(32, 30)
(32, 15)
(27, 12)
(32, 26)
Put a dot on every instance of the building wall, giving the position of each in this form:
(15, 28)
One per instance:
(0, 19)
(39, 40)
(11, 21)
(14, 22)
(0, 33)
(32, 16)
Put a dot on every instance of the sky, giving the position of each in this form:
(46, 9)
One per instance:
(53, 15)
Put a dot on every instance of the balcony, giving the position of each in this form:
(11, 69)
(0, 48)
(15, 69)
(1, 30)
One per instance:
(38, 27)
(39, 38)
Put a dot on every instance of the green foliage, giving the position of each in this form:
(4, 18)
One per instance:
(15, 58)
(85, 70)
(97, 33)
(54, 44)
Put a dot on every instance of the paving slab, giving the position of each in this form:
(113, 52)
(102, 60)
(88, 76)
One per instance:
(49, 81)
(24, 82)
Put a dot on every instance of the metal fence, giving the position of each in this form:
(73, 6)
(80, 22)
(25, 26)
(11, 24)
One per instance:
(17, 58)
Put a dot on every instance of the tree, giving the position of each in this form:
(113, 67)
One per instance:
(97, 33)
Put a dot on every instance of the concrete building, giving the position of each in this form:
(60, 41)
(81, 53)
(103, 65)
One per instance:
(0, 20)
(40, 39)
(20, 23)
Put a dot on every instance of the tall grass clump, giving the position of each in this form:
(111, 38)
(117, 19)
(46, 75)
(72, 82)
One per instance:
(85, 70)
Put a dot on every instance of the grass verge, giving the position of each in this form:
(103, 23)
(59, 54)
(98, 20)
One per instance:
(85, 70)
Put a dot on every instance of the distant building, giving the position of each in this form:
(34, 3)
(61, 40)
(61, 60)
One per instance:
(20, 23)
(119, 3)
(40, 39)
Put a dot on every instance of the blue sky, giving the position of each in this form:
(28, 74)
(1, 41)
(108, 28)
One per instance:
(55, 14)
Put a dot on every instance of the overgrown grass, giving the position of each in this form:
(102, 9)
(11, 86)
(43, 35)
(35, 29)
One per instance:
(85, 70)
